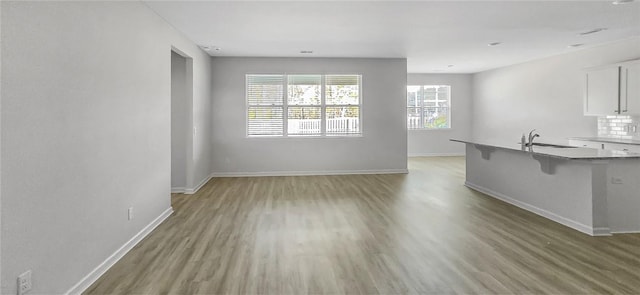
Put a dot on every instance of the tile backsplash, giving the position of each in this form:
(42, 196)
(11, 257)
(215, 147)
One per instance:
(627, 127)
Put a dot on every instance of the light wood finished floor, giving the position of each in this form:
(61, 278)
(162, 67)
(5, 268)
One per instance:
(367, 234)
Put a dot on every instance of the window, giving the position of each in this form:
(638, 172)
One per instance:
(428, 107)
(303, 105)
(265, 105)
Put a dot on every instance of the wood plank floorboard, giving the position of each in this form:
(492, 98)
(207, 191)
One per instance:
(419, 233)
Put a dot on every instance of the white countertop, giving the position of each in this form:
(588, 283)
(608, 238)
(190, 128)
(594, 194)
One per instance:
(609, 140)
(573, 153)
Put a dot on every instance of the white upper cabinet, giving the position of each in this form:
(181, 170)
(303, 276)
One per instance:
(601, 97)
(613, 90)
(630, 88)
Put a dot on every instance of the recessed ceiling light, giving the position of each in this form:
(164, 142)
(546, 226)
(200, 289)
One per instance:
(593, 31)
(205, 47)
(217, 48)
(306, 51)
(575, 45)
(449, 66)
(494, 43)
(618, 2)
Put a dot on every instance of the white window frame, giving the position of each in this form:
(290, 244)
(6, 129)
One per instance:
(249, 106)
(285, 118)
(323, 107)
(421, 107)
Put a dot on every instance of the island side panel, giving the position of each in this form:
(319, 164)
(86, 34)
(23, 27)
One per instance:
(515, 177)
(599, 197)
(623, 195)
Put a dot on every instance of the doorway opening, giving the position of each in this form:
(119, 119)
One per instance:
(181, 121)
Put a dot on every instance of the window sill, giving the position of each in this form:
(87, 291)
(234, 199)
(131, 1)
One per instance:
(434, 129)
(306, 137)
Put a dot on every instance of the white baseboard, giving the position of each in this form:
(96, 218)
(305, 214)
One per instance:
(412, 155)
(191, 191)
(308, 173)
(178, 190)
(600, 231)
(97, 272)
(625, 231)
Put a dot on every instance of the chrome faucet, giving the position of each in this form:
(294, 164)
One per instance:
(532, 136)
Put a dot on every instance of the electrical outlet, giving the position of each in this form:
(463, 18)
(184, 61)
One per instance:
(130, 213)
(24, 282)
(616, 180)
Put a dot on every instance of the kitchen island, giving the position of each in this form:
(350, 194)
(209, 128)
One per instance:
(593, 191)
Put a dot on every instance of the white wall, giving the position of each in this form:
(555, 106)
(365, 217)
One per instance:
(1, 149)
(85, 133)
(382, 148)
(436, 142)
(199, 154)
(179, 119)
(545, 94)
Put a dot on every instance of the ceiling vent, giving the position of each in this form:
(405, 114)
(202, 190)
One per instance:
(593, 31)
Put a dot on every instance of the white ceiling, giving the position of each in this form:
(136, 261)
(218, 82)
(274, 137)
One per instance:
(431, 34)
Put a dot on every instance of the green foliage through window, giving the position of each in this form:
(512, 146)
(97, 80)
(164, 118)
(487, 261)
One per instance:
(428, 106)
(303, 105)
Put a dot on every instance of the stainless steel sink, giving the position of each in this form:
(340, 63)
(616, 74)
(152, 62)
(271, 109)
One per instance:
(553, 145)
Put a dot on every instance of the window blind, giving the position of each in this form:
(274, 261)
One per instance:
(303, 105)
(265, 101)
